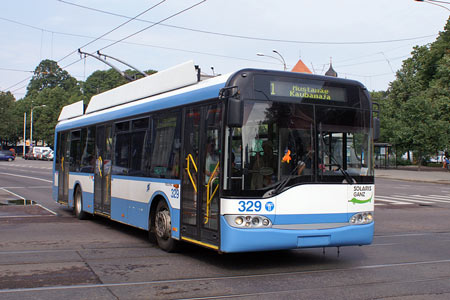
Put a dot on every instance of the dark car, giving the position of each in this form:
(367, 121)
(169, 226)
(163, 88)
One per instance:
(6, 155)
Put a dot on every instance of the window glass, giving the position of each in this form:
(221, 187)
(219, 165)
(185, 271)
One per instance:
(75, 151)
(123, 126)
(166, 146)
(121, 153)
(88, 156)
(140, 124)
(138, 140)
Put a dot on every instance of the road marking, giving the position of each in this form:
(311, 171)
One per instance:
(377, 198)
(104, 285)
(35, 178)
(14, 194)
(22, 198)
(408, 198)
(26, 187)
(47, 209)
(411, 199)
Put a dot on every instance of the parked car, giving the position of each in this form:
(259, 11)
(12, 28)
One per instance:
(36, 152)
(47, 155)
(6, 155)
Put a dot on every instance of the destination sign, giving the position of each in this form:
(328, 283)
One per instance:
(307, 91)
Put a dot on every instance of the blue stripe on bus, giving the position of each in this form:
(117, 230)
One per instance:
(245, 240)
(194, 96)
(310, 218)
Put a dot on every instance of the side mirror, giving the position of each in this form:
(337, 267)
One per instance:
(235, 112)
(376, 129)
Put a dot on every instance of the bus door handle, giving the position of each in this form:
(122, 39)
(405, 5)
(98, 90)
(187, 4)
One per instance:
(99, 165)
(210, 193)
(189, 159)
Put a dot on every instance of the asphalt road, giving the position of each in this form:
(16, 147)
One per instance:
(49, 254)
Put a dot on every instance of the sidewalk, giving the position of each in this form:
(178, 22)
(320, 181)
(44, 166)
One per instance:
(431, 175)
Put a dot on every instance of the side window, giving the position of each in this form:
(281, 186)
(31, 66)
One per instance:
(88, 149)
(122, 148)
(166, 146)
(129, 141)
(75, 151)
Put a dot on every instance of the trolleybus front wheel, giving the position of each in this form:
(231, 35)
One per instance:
(163, 228)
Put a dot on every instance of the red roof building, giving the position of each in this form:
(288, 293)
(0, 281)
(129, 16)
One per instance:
(300, 67)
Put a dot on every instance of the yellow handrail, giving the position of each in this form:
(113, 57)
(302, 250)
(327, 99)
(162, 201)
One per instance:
(98, 165)
(190, 158)
(208, 196)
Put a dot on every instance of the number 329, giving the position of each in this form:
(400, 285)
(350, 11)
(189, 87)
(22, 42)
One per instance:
(250, 206)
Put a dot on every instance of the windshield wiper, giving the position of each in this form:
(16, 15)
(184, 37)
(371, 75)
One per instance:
(283, 182)
(347, 176)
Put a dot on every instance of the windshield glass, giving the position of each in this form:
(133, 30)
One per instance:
(285, 144)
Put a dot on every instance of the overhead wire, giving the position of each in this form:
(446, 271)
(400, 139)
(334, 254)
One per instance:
(96, 39)
(114, 29)
(248, 37)
(154, 24)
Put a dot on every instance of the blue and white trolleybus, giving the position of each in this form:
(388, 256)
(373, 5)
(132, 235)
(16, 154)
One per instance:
(250, 161)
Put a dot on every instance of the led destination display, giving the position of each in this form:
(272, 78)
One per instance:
(307, 91)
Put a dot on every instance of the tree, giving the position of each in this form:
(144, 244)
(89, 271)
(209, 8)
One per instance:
(415, 114)
(9, 125)
(49, 75)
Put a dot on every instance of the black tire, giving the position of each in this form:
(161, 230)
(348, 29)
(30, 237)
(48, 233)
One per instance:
(163, 228)
(78, 205)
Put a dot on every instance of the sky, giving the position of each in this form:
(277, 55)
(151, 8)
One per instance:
(365, 40)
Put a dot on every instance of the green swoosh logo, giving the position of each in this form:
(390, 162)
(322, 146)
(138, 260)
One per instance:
(356, 201)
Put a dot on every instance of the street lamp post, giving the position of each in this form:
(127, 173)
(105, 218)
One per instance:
(281, 59)
(31, 124)
(24, 133)
(435, 2)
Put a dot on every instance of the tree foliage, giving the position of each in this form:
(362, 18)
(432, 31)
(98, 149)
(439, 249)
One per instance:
(416, 108)
(49, 75)
(49, 90)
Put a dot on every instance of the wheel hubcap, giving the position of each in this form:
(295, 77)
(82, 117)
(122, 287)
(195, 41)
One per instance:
(162, 224)
(78, 203)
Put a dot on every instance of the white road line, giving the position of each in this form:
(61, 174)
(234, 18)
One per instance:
(402, 199)
(431, 199)
(380, 198)
(26, 187)
(14, 194)
(49, 210)
(411, 199)
(35, 178)
(441, 197)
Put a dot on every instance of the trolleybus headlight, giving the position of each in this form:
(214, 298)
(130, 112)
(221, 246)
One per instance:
(248, 221)
(255, 221)
(362, 218)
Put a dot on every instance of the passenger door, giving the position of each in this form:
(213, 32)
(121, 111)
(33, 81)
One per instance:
(63, 167)
(102, 171)
(201, 172)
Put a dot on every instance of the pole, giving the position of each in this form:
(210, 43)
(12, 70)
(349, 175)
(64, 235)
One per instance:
(31, 129)
(284, 62)
(24, 133)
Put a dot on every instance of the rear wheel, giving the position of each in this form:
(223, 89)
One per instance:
(78, 207)
(163, 228)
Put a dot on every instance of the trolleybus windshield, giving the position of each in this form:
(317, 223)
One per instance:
(286, 144)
